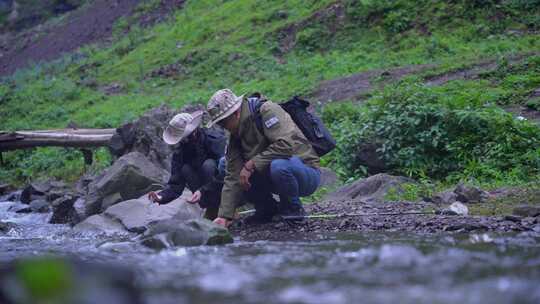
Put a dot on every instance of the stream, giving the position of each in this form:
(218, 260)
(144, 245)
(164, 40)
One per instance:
(366, 267)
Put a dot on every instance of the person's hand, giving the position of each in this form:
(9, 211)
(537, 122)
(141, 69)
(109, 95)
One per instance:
(195, 198)
(154, 197)
(222, 222)
(245, 174)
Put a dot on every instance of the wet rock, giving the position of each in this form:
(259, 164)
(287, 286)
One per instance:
(20, 208)
(5, 189)
(55, 194)
(371, 189)
(512, 218)
(93, 282)
(195, 232)
(328, 177)
(130, 176)
(458, 208)
(81, 186)
(536, 228)
(79, 208)
(12, 197)
(6, 226)
(444, 198)
(527, 211)
(100, 224)
(469, 194)
(48, 190)
(41, 206)
(63, 211)
(137, 214)
(121, 247)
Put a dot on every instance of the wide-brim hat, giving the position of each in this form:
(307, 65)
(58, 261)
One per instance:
(181, 126)
(222, 104)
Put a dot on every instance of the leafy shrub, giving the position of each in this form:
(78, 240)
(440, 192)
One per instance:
(420, 133)
(62, 163)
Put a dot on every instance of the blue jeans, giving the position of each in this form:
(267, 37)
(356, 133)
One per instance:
(288, 178)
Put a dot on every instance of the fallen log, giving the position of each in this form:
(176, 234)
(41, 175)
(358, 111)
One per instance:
(79, 138)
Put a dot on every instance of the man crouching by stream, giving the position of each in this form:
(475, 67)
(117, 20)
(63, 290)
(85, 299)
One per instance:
(267, 153)
(197, 157)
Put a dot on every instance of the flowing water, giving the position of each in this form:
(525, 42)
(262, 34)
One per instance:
(341, 268)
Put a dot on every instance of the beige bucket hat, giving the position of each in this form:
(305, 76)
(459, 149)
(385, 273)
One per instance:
(181, 125)
(222, 104)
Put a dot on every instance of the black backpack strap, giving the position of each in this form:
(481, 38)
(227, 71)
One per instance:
(255, 103)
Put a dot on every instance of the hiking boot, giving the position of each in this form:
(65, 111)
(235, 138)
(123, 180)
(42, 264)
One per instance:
(294, 212)
(257, 219)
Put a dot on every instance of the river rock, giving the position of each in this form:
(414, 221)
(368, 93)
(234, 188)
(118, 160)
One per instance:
(144, 136)
(328, 177)
(6, 226)
(63, 211)
(444, 198)
(5, 189)
(527, 211)
(58, 278)
(41, 206)
(49, 190)
(459, 208)
(34, 191)
(130, 176)
(137, 214)
(371, 189)
(195, 232)
(469, 194)
(99, 223)
(12, 197)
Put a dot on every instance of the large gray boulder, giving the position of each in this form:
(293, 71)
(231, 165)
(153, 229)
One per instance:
(137, 214)
(144, 136)
(195, 232)
(129, 177)
(371, 190)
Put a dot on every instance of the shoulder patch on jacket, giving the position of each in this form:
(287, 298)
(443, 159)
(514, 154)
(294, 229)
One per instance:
(270, 122)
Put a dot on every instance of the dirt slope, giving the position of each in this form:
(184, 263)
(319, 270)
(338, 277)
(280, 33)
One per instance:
(89, 24)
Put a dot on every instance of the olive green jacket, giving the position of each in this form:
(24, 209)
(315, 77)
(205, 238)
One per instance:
(281, 139)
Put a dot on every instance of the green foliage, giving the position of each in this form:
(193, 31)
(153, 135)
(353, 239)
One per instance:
(64, 164)
(45, 280)
(411, 192)
(534, 104)
(233, 44)
(423, 132)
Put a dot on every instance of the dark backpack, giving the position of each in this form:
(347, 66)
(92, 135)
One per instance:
(310, 124)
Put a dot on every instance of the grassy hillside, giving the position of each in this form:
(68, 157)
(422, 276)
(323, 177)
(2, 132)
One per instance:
(277, 47)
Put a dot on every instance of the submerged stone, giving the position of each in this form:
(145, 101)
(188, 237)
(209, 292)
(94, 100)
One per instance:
(195, 232)
(40, 206)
